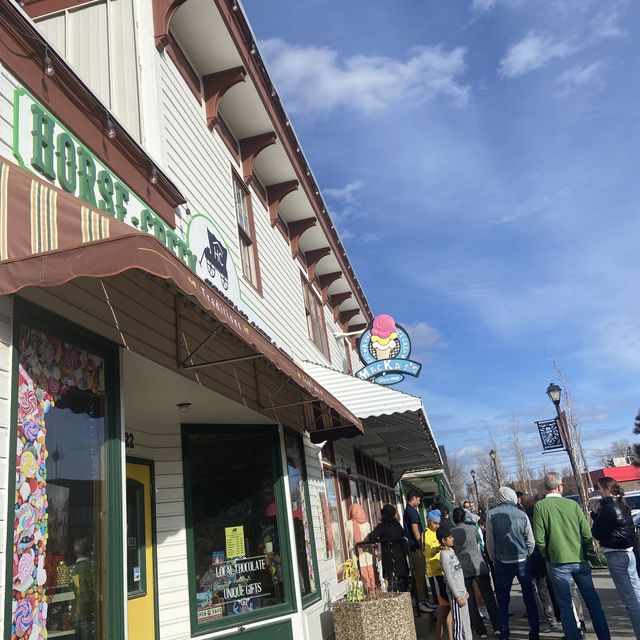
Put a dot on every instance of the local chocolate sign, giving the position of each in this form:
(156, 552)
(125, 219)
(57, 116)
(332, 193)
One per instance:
(42, 144)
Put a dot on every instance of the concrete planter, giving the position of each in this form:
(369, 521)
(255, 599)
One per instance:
(380, 619)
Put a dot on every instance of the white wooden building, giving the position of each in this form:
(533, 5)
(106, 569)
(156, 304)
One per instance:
(173, 299)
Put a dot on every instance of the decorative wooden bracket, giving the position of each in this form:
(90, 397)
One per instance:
(250, 148)
(325, 281)
(275, 194)
(346, 316)
(163, 11)
(358, 327)
(215, 86)
(336, 300)
(296, 229)
(312, 258)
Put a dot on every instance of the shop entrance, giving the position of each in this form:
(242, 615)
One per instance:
(141, 583)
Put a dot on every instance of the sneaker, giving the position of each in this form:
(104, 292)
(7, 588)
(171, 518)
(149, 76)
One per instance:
(552, 626)
(484, 635)
(427, 607)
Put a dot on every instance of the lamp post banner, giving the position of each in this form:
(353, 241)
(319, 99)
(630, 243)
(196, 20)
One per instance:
(550, 435)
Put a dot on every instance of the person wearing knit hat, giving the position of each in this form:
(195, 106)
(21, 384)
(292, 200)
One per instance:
(431, 546)
(456, 588)
(510, 543)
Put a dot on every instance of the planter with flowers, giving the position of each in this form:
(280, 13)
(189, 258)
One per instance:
(376, 615)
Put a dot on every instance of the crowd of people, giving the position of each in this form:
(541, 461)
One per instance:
(461, 561)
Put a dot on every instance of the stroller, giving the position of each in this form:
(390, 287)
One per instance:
(216, 256)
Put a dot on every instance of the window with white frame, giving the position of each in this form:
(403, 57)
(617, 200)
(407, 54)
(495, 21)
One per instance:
(245, 232)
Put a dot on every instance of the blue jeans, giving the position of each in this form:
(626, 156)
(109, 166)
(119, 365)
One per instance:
(505, 573)
(561, 576)
(622, 567)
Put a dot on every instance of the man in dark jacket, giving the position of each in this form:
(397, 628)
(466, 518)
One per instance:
(395, 550)
(467, 548)
(614, 530)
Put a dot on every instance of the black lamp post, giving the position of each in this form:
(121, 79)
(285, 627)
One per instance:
(493, 455)
(555, 392)
(475, 484)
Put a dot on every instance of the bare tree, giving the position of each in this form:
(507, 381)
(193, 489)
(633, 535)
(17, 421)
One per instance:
(456, 477)
(617, 449)
(636, 446)
(524, 475)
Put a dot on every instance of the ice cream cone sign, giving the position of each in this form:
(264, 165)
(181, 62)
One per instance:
(385, 349)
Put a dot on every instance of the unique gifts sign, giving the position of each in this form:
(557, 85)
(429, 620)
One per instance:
(385, 349)
(42, 144)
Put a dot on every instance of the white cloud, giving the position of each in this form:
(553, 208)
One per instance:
(605, 24)
(344, 194)
(316, 80)
(482, 5)
(579, 76)
(533, 52)
(424, 336)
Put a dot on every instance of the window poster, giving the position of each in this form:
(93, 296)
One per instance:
(235, 542)
(326, 525)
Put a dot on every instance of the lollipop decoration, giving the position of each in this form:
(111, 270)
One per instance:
(48, 369)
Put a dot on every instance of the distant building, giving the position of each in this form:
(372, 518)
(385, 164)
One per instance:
(628, 476)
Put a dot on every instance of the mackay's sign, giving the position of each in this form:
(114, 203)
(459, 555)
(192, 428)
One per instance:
(42, 144)
(385, 349)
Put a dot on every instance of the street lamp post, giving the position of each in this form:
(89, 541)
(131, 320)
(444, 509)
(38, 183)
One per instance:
(475, 484)
(554, 392)
(493, 455)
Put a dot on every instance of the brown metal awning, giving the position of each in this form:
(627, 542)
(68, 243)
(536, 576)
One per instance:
(49, 237)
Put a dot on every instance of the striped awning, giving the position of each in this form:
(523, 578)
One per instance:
(49, 237)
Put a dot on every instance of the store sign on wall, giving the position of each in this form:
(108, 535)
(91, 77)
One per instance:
(213, 261)
(43, 145)
(385, 350)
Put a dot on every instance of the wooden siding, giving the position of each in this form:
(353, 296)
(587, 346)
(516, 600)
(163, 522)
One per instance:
(202, 171)
(5, 412)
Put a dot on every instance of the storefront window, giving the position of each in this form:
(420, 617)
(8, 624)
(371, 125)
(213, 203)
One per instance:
(299, 505)
(59, 568)
(236, 536)
(335, 524)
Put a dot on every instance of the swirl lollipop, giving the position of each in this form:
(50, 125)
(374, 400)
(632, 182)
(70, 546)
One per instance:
(26, 519)
(28, 403)
(30, 429)
(28, 464)
(23, 577)
(23, 617)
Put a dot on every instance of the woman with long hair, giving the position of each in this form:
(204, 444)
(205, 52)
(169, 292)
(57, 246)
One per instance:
(614, 529)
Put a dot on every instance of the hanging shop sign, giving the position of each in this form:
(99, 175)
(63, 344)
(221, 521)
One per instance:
(385, 350)
(213, 262)
(43, 145)
(550, 435)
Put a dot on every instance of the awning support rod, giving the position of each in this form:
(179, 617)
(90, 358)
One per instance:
(213, 334)
(289, 404)
(217, 363)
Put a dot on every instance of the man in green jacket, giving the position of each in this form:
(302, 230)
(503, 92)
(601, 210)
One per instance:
(563, 535)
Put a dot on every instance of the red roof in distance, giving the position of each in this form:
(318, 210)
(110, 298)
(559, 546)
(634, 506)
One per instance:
(620, 474)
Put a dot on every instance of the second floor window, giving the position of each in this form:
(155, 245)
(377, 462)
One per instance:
(245, 233)
(315, 320)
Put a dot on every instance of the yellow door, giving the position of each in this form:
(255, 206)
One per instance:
(139, 552)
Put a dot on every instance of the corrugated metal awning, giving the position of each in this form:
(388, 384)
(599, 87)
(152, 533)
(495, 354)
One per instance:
(397, 432)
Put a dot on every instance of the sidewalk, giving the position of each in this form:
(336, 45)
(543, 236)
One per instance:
(614, 610)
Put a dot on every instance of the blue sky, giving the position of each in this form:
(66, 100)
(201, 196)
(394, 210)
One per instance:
(479, 158)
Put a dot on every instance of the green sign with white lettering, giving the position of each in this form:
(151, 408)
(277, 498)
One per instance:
(42, 144)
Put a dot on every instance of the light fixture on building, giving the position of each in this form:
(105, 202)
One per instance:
(153, 178)
(183, 407)
(235, 6)
(48, 65)
(253, 50)
(109, 129)
(273, 93)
